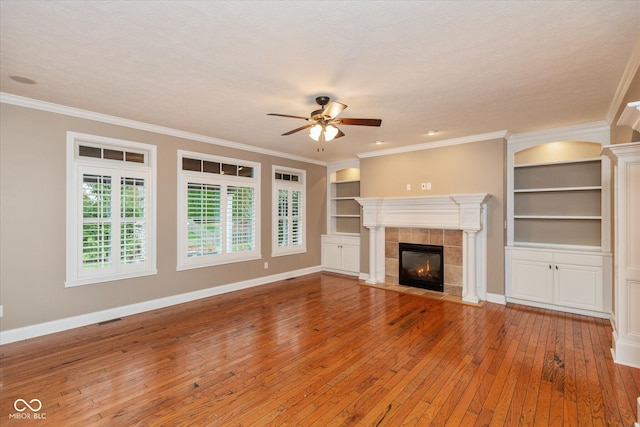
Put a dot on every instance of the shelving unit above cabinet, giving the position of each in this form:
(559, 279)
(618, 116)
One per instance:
(558, 202)
(343, 210)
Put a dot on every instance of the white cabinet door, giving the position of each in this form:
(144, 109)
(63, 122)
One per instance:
(341, 254)
(532, 280)
(331, 255)
(578, 286)
(561, 278)
(351, 258)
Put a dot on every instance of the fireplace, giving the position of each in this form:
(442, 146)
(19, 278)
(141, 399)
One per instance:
(466, 212)
(421, 266)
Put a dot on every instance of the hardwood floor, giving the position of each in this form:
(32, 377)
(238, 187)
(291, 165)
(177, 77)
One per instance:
(323, 350)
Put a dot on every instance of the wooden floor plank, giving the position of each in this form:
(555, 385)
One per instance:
(324, 349)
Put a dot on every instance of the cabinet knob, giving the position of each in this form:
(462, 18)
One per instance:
(556, 267)
(549, 266)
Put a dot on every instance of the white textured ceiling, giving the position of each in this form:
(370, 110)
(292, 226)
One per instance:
(216, 68)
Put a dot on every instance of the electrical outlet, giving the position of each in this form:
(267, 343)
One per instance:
(266, 265)
(428, 186)
(408, 187)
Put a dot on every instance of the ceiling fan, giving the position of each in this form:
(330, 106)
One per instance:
(323, 122)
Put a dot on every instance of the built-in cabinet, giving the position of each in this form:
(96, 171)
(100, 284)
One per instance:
(558, 229)
(341, 254)
(561, 278)
(626, 296)
(341, 244)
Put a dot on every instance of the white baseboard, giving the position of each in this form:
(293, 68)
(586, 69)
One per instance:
(625, 352)
(562, 308)
(32, 331)
(497, 299)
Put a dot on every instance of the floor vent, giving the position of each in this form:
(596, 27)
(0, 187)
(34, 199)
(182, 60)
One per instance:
(109, 321)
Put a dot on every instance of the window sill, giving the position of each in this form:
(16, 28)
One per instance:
(213, 263)
(284, 252)
(110, 278)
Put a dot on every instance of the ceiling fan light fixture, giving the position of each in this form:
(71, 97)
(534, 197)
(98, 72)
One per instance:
(315, 131)
(330, 132)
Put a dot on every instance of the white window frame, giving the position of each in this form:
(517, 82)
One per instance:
(301, 186)
(185, 262)
(77, 166)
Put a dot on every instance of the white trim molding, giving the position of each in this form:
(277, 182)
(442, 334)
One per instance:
(633, 64)
(503, 134)
(631, 116)
(592, 132)
(497, 299)
(6, 98)
(466, 212)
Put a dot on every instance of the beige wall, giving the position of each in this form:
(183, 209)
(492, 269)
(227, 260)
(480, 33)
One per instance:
(477, 167)
(32, 221)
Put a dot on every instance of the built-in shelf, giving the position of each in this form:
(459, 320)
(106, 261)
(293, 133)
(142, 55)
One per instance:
(557, 162)
(549, 189)
(345, 210)
(556, 217)
(558, 202)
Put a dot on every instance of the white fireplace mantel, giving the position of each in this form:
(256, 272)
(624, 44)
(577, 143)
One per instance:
(466, 212)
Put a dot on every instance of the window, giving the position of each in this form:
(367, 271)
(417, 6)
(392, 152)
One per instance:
(289, 211)
(111, 209)
(218, 210)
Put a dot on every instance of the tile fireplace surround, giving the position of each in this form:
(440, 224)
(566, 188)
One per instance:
(413, 217)
(450, 240)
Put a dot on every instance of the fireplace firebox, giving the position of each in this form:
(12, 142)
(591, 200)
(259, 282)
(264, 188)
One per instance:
(421, 266)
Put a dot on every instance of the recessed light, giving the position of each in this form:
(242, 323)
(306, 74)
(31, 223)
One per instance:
(431, 132)
(23, 80)
(378, 142)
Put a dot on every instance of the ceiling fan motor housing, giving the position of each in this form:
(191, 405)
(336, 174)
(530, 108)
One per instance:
(317, 114)
(322, 100)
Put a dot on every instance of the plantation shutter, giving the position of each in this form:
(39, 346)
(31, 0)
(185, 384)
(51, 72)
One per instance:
(204, 234)
(96, 221)
(133, 237)
(296, 221)
(283, 218)
(241, 224)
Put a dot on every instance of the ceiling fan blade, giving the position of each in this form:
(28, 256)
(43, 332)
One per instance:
(360, 122)
(332, 109)
(339, 134)
(286, 115)
(298, 129)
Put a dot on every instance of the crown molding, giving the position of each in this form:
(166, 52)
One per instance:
(595, 131)
(6, 98)
(623, 87)
(503, 134)
(631, 116)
